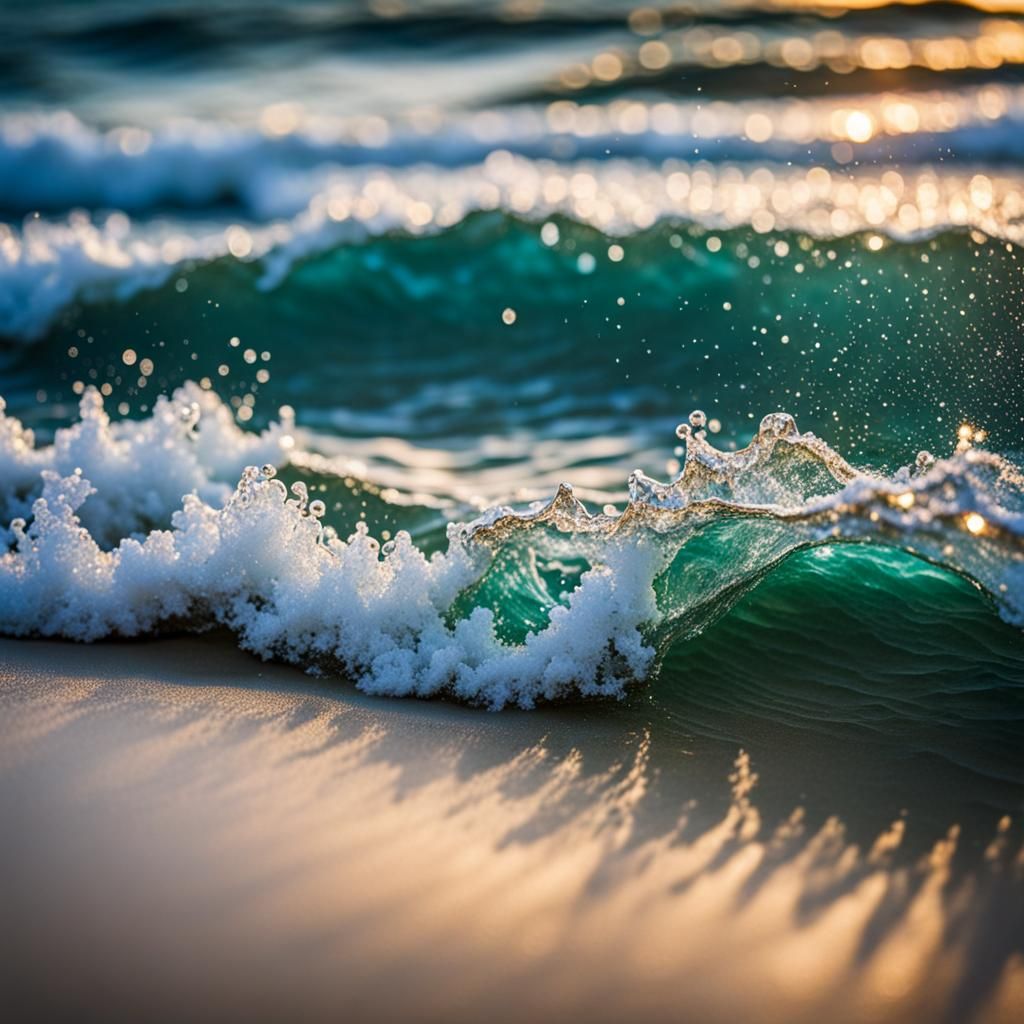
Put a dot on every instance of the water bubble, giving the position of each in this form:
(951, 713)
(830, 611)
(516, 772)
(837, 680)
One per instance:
(317, 509)
(698, 419)
(683, 431)
(269, 471)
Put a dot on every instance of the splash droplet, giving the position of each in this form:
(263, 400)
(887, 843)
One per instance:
(975, 523)
(778, 424)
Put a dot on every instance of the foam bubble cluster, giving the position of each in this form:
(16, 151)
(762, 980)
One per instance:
(136, 470)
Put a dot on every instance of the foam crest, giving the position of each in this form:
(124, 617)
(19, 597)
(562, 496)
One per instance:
(260, 561)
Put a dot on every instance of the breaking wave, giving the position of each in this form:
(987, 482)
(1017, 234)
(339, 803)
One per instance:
(518, 606)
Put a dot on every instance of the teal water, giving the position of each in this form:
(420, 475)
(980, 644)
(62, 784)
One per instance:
(882, 353)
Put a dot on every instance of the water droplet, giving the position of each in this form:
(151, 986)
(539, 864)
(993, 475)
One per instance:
(975, 523)
(317, 509)
(698, 419)
(269, 471)
(778, 424)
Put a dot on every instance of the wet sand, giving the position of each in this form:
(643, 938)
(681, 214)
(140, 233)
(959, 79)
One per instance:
(191, 834)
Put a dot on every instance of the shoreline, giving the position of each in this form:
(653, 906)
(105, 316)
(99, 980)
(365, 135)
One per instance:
(193, 832)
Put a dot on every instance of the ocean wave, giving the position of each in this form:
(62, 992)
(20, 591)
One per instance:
(47, 264)
(53, 161)
(521, 606)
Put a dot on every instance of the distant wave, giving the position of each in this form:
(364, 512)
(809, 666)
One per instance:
(618, 585)
(54, 162)
(47, 264)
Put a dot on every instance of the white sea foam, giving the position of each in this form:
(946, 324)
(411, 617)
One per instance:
(397, 622)
(138, 469)
(262, 566)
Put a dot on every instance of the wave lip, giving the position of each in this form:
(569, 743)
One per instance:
(260, 561)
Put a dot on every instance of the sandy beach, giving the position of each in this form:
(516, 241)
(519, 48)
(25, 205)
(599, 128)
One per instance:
(191, 833)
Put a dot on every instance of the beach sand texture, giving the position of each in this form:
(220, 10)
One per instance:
(191, 834)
